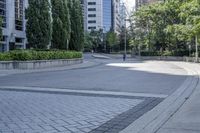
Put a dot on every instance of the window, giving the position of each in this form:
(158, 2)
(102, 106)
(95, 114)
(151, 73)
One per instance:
(91, 15)
(18, 40)
(91, 3)
(92, 21)
(19, 15)
(91, 9)
(91, 28)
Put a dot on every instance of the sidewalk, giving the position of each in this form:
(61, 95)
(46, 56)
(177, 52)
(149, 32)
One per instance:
(178, 113)
(85, 64)
(187, 118)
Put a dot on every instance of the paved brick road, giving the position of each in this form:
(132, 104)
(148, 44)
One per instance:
(40, 112)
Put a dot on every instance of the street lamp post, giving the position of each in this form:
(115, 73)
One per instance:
(196, 54)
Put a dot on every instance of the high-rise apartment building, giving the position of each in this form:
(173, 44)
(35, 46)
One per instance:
(92, 13)
(116, 16)
(123, 15)
(14, 35)
(101, 14)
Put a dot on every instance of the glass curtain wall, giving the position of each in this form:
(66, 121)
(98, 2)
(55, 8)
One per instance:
(107, 14)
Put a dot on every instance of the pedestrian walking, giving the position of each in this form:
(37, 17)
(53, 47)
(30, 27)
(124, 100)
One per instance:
(124, 57)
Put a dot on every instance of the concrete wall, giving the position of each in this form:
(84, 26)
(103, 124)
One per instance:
(38, 64)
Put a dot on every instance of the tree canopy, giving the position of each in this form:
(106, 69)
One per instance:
(167, 26)
(38, 27)
(77, 32)
(61, 24)
(55, 22)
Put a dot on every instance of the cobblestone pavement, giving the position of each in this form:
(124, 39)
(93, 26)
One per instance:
(40, 112)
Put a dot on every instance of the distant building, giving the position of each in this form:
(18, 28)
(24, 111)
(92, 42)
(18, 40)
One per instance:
(14, 36)
(116, 16)
(101, 14)
(107, 15)
(123, 14)
(92, 14)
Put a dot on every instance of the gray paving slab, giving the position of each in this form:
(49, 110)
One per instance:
(35, 112)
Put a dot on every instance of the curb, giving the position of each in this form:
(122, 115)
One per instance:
(101, 57)
(154, 119)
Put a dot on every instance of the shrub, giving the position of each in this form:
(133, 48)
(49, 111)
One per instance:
(24, 55)
(5, 57)
(166, 53)
(149, 53)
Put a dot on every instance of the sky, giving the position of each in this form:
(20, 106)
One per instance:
(129, 4)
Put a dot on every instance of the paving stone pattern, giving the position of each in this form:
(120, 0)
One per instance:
(27, 112)
(121, 121)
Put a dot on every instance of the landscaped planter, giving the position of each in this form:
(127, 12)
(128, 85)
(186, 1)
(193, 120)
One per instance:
(38, 64)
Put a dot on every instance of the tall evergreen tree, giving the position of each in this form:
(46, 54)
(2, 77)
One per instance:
(38, 27)
(61, 24)
(77, 32)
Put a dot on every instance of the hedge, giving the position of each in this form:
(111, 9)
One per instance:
(166, 53)
(24, 55)
(149, 53)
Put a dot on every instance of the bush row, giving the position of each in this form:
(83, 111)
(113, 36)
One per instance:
(149, 53)
(165, 53)
(24, 55)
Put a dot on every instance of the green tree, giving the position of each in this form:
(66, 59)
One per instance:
(167, 26)
(38, 27)
(88, 42)
(61, 24)
(77, 32)
(97, 36)
(111, 39)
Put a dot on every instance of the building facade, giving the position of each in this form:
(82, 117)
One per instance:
(14, 35)
(116, 16)
(92, 14)
(107, 15)
(101, 14)
(123, 15)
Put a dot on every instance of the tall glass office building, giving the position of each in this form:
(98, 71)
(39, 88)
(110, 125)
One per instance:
(101, 14)
(107, 15)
